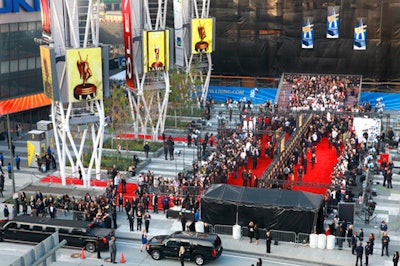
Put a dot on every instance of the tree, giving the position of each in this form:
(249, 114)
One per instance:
(116, 108)
(183, 91)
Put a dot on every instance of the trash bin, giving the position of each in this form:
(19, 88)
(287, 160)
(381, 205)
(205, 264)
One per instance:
(199, 227)
(236, 231)
(313, 241)
(321, 241)
(330, 242)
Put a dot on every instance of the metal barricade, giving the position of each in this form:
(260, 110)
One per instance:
(303, 238)
(284, 236)
(223, 229)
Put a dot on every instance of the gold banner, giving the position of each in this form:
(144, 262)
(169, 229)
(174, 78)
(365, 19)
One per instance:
(47, 74)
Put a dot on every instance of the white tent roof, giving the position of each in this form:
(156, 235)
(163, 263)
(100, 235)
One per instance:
(119, 76)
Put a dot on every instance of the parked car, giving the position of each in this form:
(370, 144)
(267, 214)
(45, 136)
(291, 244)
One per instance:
(199, 247)
(33, 230)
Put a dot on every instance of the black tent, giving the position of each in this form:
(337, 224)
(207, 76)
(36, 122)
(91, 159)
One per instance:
(284, 210)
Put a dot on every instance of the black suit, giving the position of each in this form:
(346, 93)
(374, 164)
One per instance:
(268, 239)
(367, 252)
(359, 252)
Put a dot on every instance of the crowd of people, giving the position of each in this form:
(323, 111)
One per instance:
(322, 92)
(233, 153)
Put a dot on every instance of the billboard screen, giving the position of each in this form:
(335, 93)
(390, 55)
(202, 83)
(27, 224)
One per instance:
(202, 35)
(84, 72)
(156, 50)
(49, 73)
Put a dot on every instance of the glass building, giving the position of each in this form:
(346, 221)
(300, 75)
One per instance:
(20, 67)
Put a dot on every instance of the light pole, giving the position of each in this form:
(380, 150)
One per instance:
(183, 155)
(11, 155)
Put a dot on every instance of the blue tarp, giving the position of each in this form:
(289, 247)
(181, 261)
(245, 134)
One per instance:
(260, 95)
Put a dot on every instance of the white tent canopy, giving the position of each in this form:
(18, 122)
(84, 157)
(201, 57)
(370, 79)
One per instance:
(120, 76)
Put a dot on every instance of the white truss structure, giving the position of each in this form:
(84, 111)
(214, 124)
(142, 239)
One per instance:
(197, 66)
(149, 100)
(73, 25)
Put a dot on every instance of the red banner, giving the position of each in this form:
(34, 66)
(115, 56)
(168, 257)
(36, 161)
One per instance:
(126, 14)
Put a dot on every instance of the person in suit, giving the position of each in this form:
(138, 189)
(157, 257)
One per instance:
(361, 235)
(268, 240)
(354, 243)
(155, 203)
(395, 258)
(385, 244)
(113, 249)
(367, 249)
(146, 149)
(359, 253)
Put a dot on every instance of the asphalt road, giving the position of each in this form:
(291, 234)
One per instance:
(9, 252)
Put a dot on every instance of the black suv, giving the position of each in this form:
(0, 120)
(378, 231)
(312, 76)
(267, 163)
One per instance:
(199, 247)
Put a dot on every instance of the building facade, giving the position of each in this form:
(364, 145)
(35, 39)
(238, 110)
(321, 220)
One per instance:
(20, 65)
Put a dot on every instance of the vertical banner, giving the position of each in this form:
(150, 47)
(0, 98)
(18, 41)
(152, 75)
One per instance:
(307, 38)
(84, 72)
(49, 73)
(127, 25)
(46, 19)
(333, 22)
(156, 50)
(360, 34)
(202, 35)
(178, 26)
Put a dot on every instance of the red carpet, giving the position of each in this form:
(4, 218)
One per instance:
(321, 174)
(130, 187)
(262, 164)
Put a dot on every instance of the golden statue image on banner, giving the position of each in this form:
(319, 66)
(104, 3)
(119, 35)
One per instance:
(202, 34)
(84, 71)
(156, 50)
(45, 58)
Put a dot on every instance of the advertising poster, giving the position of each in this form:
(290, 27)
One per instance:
(202, 35)
(307, 36)
(156, 50)
(49, 74)
(360, 34)
(127, 25)
(333, 22)
(84, 72)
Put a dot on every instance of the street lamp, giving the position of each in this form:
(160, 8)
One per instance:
(11, 155)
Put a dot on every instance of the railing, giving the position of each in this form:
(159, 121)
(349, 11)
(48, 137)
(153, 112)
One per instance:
(223, 229)
(284, 236)
(298, 238)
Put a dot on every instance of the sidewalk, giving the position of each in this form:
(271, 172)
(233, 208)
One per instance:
(292, 251)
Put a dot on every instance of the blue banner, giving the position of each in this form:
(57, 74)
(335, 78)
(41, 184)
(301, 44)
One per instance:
(360, 35)
(333, 22)
(391, 101)
(307, 35)
(256, 95)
